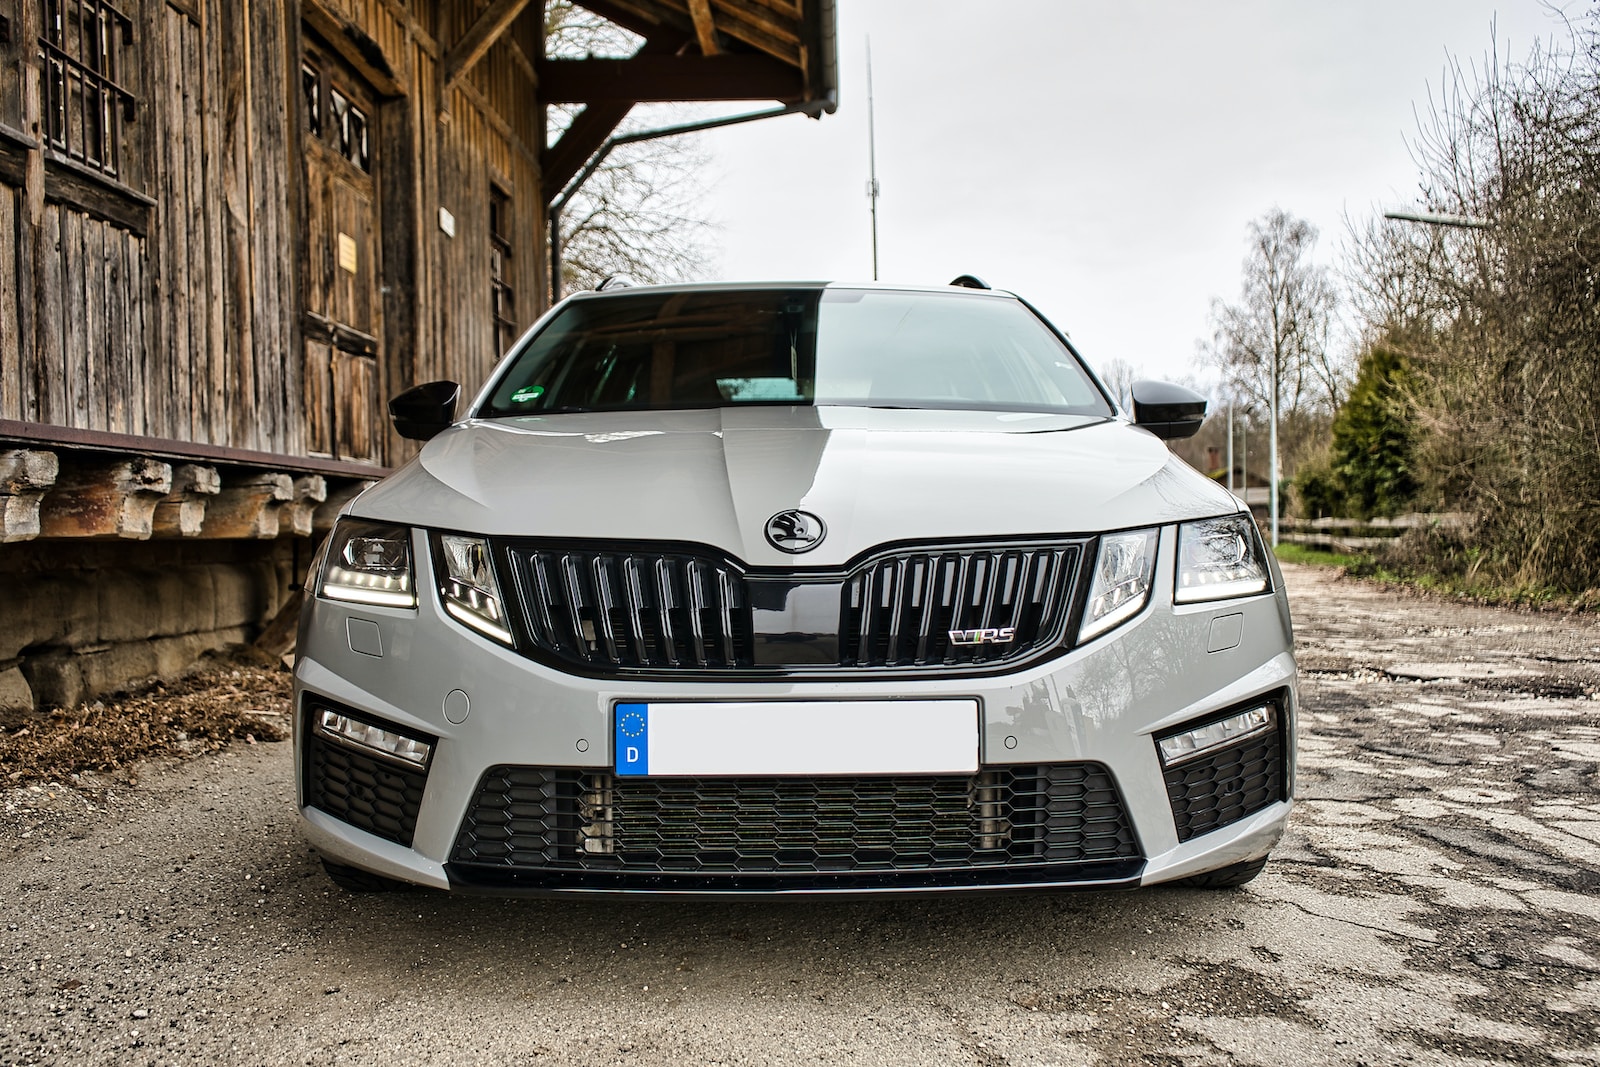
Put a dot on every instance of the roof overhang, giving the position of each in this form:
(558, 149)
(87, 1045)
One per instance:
(694, 50)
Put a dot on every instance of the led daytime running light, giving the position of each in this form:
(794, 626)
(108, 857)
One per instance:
(368, 563)
(1124, 569)
(1190, 744)
(388, 744)
(468, 588)
(1218, 559)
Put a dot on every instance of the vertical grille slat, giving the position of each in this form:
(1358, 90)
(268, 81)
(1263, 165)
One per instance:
(645, 649)
(664, 600)
(667, 610)
(691, 574)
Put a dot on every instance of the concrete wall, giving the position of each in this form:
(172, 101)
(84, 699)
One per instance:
(85, 619)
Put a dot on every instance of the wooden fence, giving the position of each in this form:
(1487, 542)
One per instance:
(1360, 536)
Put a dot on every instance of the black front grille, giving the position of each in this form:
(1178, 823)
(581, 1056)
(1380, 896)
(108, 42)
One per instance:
(808, 831)
(900, 609)
(1222, 787)
(602, 608)
(657, 611)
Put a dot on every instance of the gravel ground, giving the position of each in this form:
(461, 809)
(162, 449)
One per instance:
(1436, 901)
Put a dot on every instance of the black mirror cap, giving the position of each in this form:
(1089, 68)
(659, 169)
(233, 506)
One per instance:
(1166, 410)
(426, 410)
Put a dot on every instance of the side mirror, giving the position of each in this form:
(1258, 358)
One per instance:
(426, 410)
(1166, 410)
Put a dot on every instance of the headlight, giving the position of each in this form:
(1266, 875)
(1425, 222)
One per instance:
(1219, 558)
(468, 588)
(1123, 568)
(368, 563)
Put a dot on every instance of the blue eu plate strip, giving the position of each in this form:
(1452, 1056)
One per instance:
(632, 742)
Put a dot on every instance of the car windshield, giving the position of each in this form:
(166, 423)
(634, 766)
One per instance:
(848, 347)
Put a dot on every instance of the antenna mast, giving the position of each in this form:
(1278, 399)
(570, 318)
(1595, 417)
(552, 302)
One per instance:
(872, 163)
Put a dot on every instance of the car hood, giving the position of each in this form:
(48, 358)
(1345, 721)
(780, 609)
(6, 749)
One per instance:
(716, 476)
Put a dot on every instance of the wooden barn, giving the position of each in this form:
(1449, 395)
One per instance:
(231, 229)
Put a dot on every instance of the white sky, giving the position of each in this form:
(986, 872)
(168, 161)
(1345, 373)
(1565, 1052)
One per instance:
(1101, 158)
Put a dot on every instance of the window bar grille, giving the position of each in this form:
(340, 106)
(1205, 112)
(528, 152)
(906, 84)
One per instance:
(82, 95)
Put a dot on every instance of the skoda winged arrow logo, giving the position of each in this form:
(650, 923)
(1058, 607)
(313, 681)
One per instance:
(795, 531)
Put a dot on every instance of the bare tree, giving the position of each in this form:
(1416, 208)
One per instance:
(1119, 376)
(1276, 338)
(639, 213)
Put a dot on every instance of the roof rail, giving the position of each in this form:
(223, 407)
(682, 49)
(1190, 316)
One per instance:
(970, 281)
(615, 281)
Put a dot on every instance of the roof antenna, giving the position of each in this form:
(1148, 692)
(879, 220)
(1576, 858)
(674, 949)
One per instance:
(872, 162)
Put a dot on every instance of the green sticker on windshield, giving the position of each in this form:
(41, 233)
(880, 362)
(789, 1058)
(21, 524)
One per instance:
(532, 392)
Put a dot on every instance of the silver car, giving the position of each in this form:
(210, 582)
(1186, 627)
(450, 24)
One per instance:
(794, 588)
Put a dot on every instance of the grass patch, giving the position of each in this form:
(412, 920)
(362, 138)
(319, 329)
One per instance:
(1439, 585)
(1316, 557)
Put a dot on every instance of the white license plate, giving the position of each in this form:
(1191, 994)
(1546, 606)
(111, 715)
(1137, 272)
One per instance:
(810, 737)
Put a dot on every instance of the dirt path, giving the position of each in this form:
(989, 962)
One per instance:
(1437, 901)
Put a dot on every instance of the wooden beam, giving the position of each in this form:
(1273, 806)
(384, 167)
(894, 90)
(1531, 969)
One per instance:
(25, 476)
(479, 38)
(182, 512)
(106, 500)
(666, 78)
(249, 508)
(646, 22)
(561, 161)
(357, 47)
(705, 27)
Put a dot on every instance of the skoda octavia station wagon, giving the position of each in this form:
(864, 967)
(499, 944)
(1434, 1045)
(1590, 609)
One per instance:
(794, 588)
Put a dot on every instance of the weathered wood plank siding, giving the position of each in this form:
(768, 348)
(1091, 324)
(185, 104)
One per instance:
(10, 347)
(165, 297)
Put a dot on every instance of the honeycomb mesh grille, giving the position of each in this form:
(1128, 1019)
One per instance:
(571, 819)
(1212, 791)
(369, 794)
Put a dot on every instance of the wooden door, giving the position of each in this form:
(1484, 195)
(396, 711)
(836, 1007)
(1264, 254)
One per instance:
(342, 317)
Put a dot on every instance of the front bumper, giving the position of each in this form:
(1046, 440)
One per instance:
(1100, 705)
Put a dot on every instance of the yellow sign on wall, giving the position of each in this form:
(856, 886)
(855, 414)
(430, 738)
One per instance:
(347, 253)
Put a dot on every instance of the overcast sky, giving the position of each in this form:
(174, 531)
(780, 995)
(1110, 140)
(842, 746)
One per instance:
(1102, 159)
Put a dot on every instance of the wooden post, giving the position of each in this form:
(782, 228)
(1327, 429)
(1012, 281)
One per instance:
(249, 508)
(25, 476)
(182, 512)
(309, 491)
(106, 500)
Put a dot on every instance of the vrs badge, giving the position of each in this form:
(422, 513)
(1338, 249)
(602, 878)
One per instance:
(1003, 635)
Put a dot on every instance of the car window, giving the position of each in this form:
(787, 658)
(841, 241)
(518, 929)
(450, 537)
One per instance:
(905, 349)
(875, 348)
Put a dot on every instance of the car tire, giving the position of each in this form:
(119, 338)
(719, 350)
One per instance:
(355, 880)
(1228, 877)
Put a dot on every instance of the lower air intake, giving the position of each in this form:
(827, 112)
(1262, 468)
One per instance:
(799, 830)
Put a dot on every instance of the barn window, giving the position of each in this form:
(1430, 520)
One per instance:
(311, 93)
(502, 296)
(85, 55)
(349, 130)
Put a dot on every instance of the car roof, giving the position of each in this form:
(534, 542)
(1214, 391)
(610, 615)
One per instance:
(758, 286)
